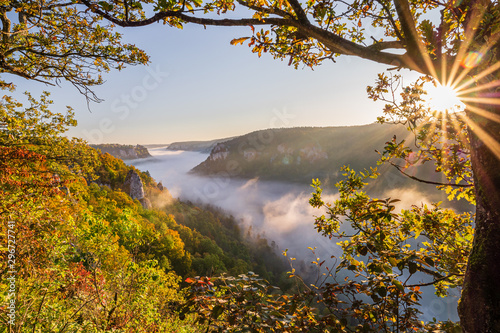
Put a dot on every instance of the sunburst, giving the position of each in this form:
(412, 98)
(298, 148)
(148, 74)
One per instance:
(462, 87)
(443, 98)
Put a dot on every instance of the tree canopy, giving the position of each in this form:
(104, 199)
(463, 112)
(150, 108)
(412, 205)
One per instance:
(431, 35)
(51, 41)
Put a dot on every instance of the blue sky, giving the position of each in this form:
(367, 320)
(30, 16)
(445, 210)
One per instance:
(199, 87)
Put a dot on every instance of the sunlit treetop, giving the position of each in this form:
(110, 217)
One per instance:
(52, 40)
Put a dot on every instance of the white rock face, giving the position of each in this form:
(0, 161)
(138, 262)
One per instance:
(220, 152)
(133, 185)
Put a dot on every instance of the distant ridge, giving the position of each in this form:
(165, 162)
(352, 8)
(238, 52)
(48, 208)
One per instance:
(124, 152)
(200, 146)
(299, 154)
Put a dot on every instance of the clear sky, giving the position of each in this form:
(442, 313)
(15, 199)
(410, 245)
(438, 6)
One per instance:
(199, 87)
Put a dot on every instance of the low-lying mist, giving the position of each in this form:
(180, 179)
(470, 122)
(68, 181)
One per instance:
(278, 211)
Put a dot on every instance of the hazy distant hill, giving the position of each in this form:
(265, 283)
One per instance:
(201, 146)
(302, 154)
(124, 152)
(299, 154)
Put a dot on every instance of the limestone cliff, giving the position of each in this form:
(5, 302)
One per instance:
(219, 152)
(133, 186)
(124, 152)
(201, 146)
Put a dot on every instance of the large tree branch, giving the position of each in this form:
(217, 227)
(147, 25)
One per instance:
(301, 14)
(414, 46)
(6, 26)
(333, 42)
(343, 46)
(190, 19)
(378, 46)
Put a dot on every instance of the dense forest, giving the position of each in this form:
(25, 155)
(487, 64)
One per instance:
(301, 154)
(89, 257)
(201, 146)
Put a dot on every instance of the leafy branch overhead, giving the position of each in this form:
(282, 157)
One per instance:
(52, 41)
(316, 30)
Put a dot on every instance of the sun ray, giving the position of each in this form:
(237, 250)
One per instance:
(455, 123)
(486, 138)
(432, 128)
(471, 61)
(479, 76)
(483, 113)
(444, 64)
(481, 100)
(485, 86)
(462, 137)
(444, 129)
(464, 46)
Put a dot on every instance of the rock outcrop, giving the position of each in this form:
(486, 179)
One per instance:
(133, 186)
(219, 152)
(160, 186)
(146, 203)
(124, 152)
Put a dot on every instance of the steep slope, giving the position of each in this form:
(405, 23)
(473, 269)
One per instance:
(299, 154)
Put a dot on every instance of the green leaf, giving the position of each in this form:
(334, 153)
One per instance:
(217, 311)
(106, 6)
(393, 261)
(429, 261)
(382, 291)
(387, 269)
(398, 285)
(412, 267)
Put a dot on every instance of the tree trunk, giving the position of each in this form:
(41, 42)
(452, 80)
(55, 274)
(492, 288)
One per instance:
(479, 307)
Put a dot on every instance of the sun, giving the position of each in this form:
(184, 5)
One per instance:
(443, 98)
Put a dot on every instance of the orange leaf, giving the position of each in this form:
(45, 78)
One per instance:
(239, 40)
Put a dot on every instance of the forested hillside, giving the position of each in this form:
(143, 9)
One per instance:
(88, 256)
(299, 154)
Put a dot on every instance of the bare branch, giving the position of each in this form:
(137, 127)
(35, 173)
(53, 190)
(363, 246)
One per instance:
(427, 181)
(273, 11)
(433, 282)
(378, 46)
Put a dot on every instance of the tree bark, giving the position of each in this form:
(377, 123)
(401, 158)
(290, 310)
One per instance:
(479, 307)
